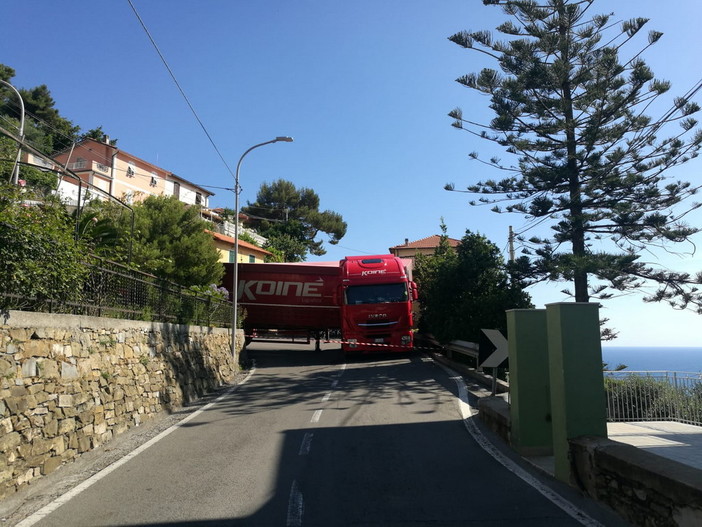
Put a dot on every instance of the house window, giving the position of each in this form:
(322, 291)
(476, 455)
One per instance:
(130, 170)
(78, 165)
(252, 258)
(198, 198)
(176, 189)
(231, 256)
(154, 181)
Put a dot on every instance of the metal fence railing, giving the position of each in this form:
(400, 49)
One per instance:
(654, 396)
(113, 290)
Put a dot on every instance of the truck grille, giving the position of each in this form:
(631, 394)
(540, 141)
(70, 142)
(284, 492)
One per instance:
(377, 324)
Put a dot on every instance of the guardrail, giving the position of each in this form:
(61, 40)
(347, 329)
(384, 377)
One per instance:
(455, 347)
(462, 347)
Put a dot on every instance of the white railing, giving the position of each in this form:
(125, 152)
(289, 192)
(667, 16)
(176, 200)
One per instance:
(654, 396)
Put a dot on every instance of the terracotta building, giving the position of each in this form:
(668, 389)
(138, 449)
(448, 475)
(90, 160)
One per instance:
(248, 252)
(122, 175)
(424, 246)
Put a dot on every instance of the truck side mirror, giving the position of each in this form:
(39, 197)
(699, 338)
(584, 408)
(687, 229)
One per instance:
(415, 292)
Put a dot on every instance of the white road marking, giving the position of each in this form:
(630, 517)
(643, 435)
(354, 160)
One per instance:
(469, 415)
(306, 444)
(295, 502)
(75, 491)
(295, 506)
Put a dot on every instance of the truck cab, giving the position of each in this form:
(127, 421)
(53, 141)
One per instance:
(376, 298)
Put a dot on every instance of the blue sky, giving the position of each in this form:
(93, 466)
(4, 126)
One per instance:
(364, 88)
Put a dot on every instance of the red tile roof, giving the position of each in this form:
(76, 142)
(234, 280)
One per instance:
(430, 242)
(242, 243)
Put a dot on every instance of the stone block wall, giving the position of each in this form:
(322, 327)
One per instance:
(69, 384)
(644, 488)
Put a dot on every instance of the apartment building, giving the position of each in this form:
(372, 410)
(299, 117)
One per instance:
(109, 169)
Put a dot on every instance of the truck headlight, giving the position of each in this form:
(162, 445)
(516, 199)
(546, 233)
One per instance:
(352, 343)
(406, 340)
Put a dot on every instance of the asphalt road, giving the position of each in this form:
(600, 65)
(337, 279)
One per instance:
(319, 439)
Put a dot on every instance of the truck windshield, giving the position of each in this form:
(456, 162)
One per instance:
(376, 294)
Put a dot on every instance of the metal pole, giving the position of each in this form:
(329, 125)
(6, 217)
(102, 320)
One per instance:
(235, 267)
(15, 170)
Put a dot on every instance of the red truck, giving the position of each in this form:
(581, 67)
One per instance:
(376, 296)
(368, 299)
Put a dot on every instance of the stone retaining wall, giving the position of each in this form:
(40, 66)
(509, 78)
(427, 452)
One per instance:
(646, 489)
(71, 383)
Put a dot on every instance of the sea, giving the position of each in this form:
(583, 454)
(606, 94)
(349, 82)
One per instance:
(643, 358)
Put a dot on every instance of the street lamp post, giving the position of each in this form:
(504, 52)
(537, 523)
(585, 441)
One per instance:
(235, 268)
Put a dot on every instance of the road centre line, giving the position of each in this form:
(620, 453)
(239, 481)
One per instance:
(75, 491)
(318, 413)
(295, 501)
(306, 444)
(316, 416)
(469, 415)
(295, 506)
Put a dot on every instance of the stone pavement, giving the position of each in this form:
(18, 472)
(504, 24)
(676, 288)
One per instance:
(678, 441)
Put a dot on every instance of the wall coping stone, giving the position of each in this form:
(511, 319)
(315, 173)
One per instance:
(30, 319)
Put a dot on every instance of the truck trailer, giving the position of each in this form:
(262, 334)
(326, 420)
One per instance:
(287, 299)
(367, 300)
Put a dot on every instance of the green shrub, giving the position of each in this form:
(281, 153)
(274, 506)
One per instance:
(40, 258)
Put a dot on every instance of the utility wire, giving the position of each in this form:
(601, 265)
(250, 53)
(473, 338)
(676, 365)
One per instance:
(175, 80)
(182, 92)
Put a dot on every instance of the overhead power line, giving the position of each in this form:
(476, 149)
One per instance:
(182, 92)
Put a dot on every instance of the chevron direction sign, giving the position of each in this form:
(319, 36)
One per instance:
(500, 354)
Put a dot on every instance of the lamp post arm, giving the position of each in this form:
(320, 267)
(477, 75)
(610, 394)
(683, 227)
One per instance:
(238, 165)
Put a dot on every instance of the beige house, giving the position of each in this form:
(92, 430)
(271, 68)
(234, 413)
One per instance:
(122, 175)
(424, 246)
(248, 252)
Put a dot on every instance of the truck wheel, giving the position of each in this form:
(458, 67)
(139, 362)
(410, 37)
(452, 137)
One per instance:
(317, 341)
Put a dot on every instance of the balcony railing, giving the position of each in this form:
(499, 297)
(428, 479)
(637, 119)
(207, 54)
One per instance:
(94, 166)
